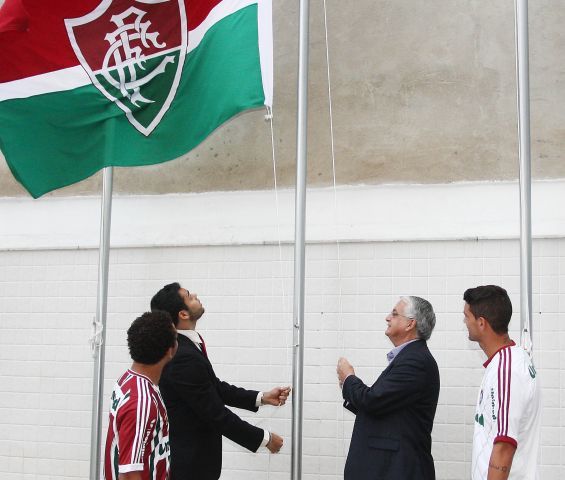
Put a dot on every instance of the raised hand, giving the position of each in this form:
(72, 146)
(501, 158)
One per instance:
(344, 369)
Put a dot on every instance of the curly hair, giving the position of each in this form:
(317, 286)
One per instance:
(169, 300)
(492, 303)
(150, 336)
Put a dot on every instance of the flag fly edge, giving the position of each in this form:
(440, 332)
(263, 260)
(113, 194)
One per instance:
(265, 19)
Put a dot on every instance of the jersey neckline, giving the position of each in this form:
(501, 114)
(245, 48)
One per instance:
(511, 344)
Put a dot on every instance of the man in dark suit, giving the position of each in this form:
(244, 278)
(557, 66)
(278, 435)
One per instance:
(196, 399)
(391, 437)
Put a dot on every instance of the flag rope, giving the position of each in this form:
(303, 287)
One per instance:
(340, 431)
(288, 350)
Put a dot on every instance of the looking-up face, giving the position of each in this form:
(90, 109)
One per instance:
(193, 305)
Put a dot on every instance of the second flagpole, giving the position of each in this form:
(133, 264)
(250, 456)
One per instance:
(299, 243)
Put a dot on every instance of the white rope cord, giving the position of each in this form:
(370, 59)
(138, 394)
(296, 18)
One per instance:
(340, 431)
(560, 273)
(269, 117)
(538, 314)
(277, 411)
(95, 340)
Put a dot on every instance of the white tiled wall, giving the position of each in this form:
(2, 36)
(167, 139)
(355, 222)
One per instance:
(47, 301)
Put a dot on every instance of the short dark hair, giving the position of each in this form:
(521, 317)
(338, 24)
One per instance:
(492, 303)
(150, 336)
(169, 300)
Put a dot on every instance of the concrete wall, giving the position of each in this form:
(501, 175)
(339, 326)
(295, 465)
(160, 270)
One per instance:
(423, 92)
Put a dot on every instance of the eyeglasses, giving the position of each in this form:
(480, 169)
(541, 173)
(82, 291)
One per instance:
(394, 314)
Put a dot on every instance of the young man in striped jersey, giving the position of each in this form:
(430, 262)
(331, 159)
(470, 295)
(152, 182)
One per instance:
(137, 444)
(508, 413)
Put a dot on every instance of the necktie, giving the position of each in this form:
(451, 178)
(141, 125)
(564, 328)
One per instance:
(203, 345)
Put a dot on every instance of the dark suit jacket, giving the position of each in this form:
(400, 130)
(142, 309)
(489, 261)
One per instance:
(391, 437)
(196, 404)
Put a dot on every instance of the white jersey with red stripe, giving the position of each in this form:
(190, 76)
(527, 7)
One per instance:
(508, 410)
(138, 430)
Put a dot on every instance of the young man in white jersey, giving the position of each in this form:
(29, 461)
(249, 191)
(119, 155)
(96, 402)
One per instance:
(508, 412)
(137, 444)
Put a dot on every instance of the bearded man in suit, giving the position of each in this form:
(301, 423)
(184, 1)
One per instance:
(196, 399)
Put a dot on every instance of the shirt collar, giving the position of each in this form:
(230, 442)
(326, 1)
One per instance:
(390, 356)
(511, 344)
(191, 335)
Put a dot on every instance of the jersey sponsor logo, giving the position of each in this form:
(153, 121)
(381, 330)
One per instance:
(492, 403)
(148, 433)
(532, 371)
(133, 52)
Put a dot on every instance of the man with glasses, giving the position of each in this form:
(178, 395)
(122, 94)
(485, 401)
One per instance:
(394, 417)
(196, 399)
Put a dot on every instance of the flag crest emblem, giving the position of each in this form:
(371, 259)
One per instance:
(133, 52)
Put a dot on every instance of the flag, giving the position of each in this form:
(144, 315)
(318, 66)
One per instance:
(13, 16)
(96, 83)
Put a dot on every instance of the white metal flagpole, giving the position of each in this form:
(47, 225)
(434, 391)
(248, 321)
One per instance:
(100, 323)
(299, 243)
(524, 153)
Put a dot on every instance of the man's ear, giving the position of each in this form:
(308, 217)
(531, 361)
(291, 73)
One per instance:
(184, 315)
(171, 353)
(482, 323)
(412, 325)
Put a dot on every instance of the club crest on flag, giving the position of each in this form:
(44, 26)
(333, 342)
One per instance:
(133, 52)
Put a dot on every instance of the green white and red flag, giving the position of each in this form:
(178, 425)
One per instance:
(95, 83)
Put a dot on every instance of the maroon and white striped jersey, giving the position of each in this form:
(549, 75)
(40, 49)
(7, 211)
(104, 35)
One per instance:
(508, 410)
(138, 431)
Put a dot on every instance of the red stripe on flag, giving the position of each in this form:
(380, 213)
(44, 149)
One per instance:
(44, 47)
(13, 17)
(198, 10)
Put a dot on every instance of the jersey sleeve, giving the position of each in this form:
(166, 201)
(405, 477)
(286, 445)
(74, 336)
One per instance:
(135, 422)
(511, 401)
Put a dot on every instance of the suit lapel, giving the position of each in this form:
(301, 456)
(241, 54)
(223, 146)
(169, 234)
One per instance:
(406, 350)
(189, 346)
(409, 348)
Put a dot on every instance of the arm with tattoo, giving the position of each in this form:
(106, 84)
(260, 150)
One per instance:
(501, 461)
